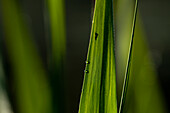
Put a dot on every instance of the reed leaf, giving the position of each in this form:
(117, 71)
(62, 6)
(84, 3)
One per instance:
(99, 87)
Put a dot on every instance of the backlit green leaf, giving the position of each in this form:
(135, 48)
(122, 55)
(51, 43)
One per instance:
(99, 87)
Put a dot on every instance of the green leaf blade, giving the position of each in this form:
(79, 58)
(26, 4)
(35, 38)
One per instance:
(99, 87)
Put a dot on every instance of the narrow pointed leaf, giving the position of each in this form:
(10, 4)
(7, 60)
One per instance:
(99, 87)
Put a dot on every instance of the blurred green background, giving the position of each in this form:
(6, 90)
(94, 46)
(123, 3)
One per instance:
(155, 18)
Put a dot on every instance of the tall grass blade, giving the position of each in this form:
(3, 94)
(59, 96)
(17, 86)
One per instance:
(32, 91)
(127, 74)
(143, 94)
(99, 87)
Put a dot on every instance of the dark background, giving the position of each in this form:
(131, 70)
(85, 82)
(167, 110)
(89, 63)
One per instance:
(155, 15)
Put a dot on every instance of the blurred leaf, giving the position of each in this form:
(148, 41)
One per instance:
(57, 25)
(30, 84)
(143, 93)
(57, 34)
(5, 106)
(99, 87)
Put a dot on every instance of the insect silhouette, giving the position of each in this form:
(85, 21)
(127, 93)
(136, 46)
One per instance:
(96, 35)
